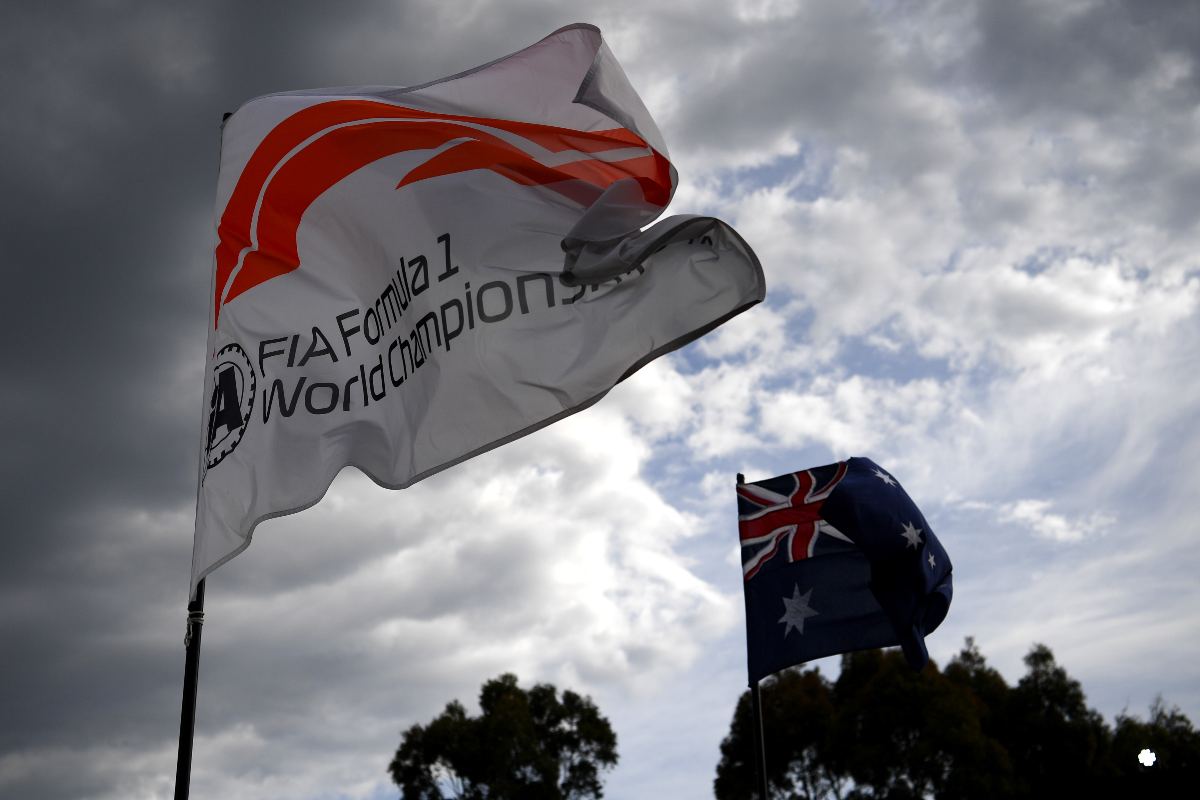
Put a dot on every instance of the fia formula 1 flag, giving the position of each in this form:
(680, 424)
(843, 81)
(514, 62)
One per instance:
(407, 277)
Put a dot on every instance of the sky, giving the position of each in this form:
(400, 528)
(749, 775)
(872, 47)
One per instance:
(978, 225)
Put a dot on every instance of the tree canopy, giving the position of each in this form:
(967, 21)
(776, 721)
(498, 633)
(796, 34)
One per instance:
(524, 745)
(883, 730)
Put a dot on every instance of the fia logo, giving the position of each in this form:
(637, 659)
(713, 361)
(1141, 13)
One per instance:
(232, 401)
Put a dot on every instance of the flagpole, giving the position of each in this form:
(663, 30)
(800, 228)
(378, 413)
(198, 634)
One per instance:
(191, 668)
(191, 675)
(760, 747)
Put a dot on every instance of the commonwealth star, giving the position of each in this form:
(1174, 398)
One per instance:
(797, 610)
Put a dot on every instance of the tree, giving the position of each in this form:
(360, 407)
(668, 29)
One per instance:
(1169, 735)
(993, 774)
(886, 732)
(907, 734)
(882, 731)
(1059, 746)
(524, 745)
(798, 711)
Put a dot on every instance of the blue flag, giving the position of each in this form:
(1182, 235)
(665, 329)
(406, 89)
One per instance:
(835, 559)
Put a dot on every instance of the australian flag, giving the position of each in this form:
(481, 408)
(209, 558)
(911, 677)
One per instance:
(834, 559)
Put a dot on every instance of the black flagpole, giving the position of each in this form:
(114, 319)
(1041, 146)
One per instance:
(191, 675)
(760, 747)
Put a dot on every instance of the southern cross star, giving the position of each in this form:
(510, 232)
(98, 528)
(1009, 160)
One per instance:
(797, 610)
(911, 534)
(931, 561)
(883, 476)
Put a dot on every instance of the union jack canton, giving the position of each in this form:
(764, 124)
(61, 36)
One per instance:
(784, 515)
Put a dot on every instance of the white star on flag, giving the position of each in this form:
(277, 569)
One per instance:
(932, 564)
(912, 535)
(883, 476)
(797, 610)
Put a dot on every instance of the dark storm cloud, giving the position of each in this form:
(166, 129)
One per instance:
(1043, 57)
(111, 137)
(838, 74)
(1132, 68)
(109, 168)
(109, 171)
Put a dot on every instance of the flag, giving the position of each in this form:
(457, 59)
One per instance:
(407, 277)
(835, 559)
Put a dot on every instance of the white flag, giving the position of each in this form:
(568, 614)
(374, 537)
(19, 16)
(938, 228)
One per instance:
(406, 278)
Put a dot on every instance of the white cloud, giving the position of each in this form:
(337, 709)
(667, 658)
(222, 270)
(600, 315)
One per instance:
(726, 395)
(1116, 606)
(760, 333)
(1037, 517)
(857, 414)
(657, 399)
(549, 557)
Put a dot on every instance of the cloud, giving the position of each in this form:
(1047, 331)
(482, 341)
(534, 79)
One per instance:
(124, 772)
(855, 414)
(1036, 516)
(1109, 603)
(549, 557)
(977, 222)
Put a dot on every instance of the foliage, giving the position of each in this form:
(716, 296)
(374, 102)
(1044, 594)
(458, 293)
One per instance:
(524, 745)
(883, 730)
(1175, 743)
(1059, 746)
(797, 710)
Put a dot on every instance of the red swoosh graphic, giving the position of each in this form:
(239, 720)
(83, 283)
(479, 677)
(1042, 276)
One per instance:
(374, 130)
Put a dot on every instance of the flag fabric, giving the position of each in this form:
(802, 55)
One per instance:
(407, 277)
(835, 559)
